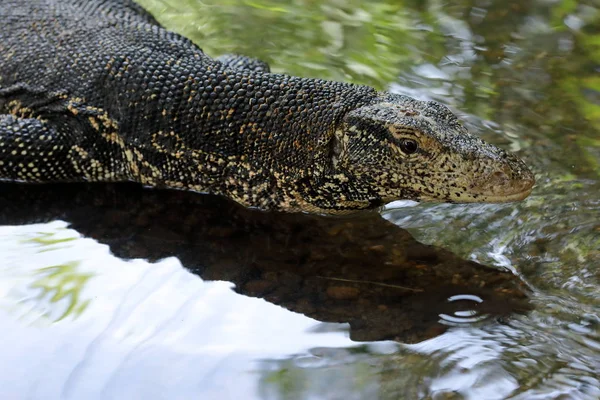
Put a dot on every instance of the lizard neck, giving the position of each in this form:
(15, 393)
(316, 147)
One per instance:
(282, 122)
(239, 131)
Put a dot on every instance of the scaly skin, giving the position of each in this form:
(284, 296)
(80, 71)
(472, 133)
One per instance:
(97, 91)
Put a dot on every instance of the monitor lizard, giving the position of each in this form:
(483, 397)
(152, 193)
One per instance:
(99, 91)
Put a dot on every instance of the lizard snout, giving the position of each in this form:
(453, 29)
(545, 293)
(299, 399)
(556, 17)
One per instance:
(508, 183)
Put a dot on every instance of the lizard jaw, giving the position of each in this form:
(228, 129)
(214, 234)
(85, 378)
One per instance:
(494, 198)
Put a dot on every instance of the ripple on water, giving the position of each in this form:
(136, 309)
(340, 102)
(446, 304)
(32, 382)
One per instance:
(466, 310)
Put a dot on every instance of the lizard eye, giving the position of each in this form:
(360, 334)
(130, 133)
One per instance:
(409, 146)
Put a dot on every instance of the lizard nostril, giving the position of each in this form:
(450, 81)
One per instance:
(494, 182)
(498, 178)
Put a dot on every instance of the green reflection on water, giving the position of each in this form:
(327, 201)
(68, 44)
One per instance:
(62, 283)
(48, 241)
(286, 379)
(46, 288)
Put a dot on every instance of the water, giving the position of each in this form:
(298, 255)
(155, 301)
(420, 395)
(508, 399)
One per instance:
(111, 291)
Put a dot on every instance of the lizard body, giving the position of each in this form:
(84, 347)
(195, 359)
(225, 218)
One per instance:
(98, 91)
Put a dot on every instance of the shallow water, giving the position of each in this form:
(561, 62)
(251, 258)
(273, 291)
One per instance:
(113, 292)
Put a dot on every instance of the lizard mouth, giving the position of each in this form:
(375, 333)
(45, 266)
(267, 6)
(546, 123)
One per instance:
(506, 198)
(491, 192)
(480, 198)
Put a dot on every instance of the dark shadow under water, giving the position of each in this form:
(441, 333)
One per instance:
(362, 269)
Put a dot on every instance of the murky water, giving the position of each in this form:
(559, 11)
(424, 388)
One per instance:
(113, 292)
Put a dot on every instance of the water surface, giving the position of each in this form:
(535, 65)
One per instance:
(111, 291)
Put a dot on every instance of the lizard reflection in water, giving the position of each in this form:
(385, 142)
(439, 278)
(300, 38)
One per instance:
(362, 270)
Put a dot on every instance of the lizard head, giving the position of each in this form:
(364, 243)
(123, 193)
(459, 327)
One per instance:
(417, 150)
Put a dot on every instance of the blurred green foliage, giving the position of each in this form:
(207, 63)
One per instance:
(337, 39)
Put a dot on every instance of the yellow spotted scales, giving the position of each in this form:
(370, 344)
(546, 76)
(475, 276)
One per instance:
(98, 91)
